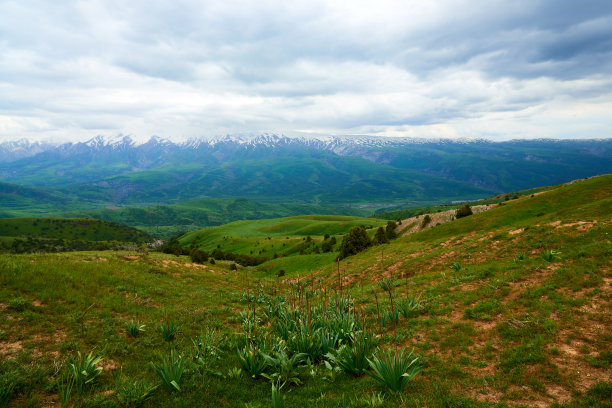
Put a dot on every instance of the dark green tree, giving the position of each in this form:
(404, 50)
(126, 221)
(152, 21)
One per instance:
(380, 237)
(390, 230)
(354, 242)
(464, 211)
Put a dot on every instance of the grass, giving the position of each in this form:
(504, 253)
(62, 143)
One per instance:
(495, 332)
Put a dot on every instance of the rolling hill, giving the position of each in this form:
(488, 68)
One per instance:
(505, 308)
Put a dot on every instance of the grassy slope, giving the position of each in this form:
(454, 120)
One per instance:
(524, 332)
(71, 229)
(167, 220)
(282, 236)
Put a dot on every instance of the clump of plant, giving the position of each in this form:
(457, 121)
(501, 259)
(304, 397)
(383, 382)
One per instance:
(284, 369)
(353, 359)
(278, 401)
(408, 307)
(134, 328)
(135, 393)
(84, 370)
(19, 304)
(456, 266)
(252, 360)
(393, 369)
(8, 380)
(170, 370)
(550, 255)
(426, 221)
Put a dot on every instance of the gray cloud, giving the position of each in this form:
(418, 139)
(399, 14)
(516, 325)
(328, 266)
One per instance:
(190, 68)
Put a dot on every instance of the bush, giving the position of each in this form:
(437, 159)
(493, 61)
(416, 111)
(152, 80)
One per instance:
(464, 211)
(198, 256)
(426, 221)
(233, 267)
(380, 237)
(354, 242)
(390, 230)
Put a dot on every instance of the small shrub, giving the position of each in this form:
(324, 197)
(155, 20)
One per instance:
(233, 267)
(456, 266)
(464, 211)
(426, 221)
(280, 273)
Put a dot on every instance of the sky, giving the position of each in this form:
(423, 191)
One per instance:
(499, 70)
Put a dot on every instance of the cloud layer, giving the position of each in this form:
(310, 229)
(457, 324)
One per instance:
(178, 69)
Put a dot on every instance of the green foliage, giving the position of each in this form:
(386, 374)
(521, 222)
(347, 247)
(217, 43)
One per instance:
(64, 389)
(426, 221)
(8, 380)
(198, 256)
(550, 255)
(353, 359)
(84, 370)
(456, 266)
(252, 360)
(19, 304)
(390, 230)
(168, 330)
(380, 237)
(170, 371)
(354, 242)
(394, 369)
(284, 369)
(135, 393)
(278, 401)
(464, 211)
(134, 328)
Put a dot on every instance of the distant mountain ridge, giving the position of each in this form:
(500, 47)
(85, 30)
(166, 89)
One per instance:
(276, 168)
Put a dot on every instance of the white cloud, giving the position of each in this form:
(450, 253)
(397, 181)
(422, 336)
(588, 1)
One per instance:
(178, 69)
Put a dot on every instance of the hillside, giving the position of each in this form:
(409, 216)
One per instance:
(271, 168)
(164, 221)
(505, 308)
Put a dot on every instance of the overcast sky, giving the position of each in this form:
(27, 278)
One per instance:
(71, 70)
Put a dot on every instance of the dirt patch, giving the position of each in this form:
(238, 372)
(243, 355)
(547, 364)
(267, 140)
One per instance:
(10, 348)
(516, 231)
(108, 364)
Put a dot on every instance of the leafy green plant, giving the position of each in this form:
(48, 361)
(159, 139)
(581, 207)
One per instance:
(284, 369)
(278, 401)
(394, 369)
(8, 380)
(64, 389)
(84, 370)
(520, 257)
(456, 266)
(234, 373)
(408, 307)
(373, 400)
(354, 359)
(169, 330)
(550, 255)
(170, 371)
(134, 328)
(206, 347)
(19, 304)
(252, 360)
(135, 393)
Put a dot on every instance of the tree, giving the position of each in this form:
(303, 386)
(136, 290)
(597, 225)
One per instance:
(390, 231)
(464, 211)
(354, 242)
(380, 237)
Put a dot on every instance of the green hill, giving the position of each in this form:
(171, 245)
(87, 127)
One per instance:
(85, 229)
(505, 308)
